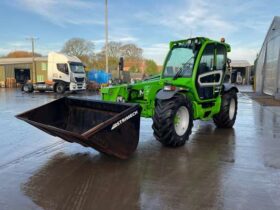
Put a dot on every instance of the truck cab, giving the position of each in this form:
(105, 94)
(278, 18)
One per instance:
(64, 73)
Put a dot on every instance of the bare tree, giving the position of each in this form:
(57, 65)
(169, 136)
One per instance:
(131, 51)
(81, 48)
(78, 47)
(117, 50)
(114, 49)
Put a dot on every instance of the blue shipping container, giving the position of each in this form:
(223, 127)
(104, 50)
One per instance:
(99, 76)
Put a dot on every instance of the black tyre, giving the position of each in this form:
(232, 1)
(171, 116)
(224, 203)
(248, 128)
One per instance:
(227, 115)
(28, 88)
(60, 88)
(173, 121)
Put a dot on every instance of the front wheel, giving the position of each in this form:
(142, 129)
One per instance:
(60, 88)
(173, 121)
(227, 115)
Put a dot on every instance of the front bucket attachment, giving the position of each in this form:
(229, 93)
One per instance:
(111, 128)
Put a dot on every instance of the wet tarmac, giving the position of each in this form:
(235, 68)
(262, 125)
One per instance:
(217, 169)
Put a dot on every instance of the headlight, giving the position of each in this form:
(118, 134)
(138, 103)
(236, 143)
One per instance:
(72, 79)
(169, 88)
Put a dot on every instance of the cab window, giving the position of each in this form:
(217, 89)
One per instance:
(62, 67)
(221, 57)
(207, 60)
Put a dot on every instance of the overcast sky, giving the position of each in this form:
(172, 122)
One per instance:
(151, 24)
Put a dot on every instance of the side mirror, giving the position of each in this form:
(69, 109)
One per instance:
(209, 79)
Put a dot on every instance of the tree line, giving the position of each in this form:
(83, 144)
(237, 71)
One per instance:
(132, 54)
(85, 51)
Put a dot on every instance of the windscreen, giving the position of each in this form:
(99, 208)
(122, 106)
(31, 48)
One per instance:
(77, 67)
(179, 59)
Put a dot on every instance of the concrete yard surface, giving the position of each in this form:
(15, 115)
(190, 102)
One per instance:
(230, 169)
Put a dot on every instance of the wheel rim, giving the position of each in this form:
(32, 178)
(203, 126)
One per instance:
(232, 108)
(181, 121)
(25, 88)
(59, 88)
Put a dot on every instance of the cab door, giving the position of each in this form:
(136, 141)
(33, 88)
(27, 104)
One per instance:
(211, 71)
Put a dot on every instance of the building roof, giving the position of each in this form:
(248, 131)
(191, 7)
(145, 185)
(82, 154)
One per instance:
(5, 61)
(273, 31)
(240, 63)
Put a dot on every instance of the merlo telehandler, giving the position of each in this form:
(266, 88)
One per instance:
(190, 87)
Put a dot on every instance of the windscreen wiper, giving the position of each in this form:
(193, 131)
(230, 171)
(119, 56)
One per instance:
(178, 73)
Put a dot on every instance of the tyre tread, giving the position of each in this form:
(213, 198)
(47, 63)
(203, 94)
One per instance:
(222, 119)
(163, 121)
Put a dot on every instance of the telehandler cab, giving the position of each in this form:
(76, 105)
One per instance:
(190, 87)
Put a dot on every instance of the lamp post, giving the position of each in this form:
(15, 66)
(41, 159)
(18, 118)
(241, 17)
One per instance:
(106, 35)
(32, 39)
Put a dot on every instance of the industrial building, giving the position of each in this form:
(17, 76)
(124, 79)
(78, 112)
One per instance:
(268, 62)
(240, 71)
(15, 71)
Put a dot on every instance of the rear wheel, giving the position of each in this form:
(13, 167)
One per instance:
(227, 115)
(28, 88)
(60, 88)
(173, 121)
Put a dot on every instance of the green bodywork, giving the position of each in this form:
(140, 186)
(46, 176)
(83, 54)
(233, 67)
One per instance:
(144, 92)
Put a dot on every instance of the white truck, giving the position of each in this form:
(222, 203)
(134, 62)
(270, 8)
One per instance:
(63, 73)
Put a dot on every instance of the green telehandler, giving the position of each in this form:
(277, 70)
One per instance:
(190, 87)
